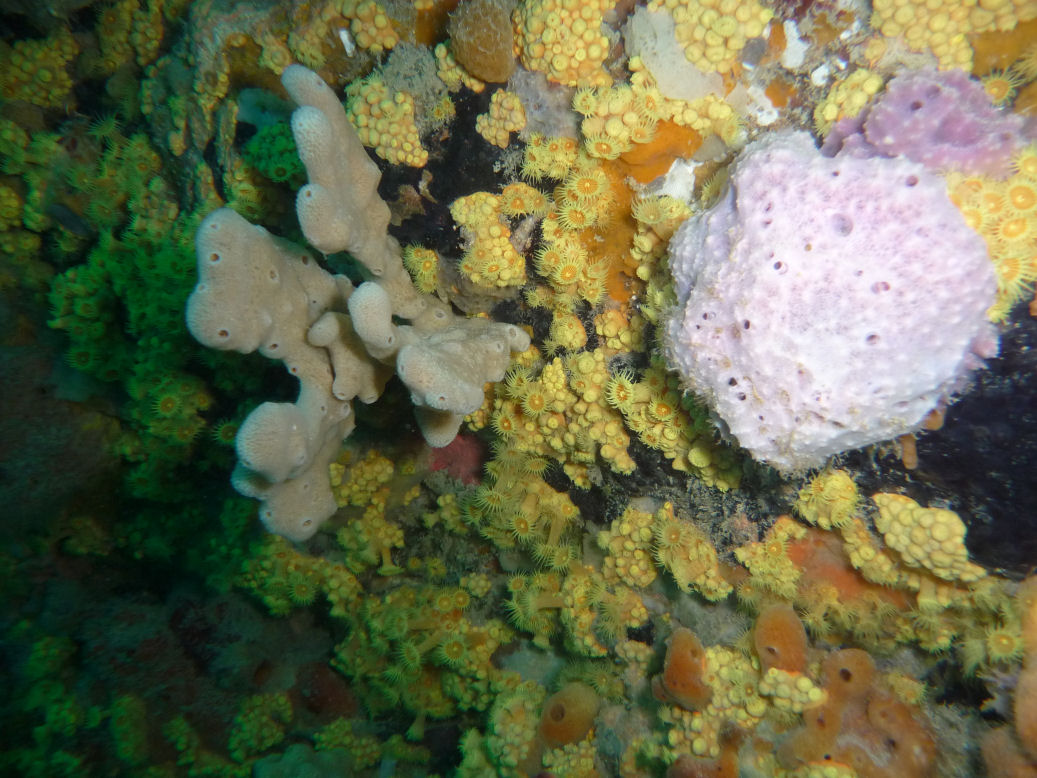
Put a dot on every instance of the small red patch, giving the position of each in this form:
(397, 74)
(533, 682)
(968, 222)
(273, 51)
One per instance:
(462, 459)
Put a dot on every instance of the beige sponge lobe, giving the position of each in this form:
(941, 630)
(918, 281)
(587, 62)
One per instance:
(273, 441)
(257, 292)
(339, 209)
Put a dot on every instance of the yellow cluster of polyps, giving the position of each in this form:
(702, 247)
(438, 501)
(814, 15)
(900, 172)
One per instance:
(10, 208)
(943, 27)
(506, 115)
(714, 32)
(125, 29)
(619, 608)
(685, 550)
(546, 157)
(370, 539)
(595, 420)
(627, 544)
(1005, 214)
(652, 408)
(931, 538)
(423, 266)
(791, 691)
(452, 74)
(563, 40)
(735, 702)
(619, 331)
(866, 554)
(521, 199)
(846, 98)
(657, 217)
(615, 118)
(581, 602)
(586, 196)
(582, 590)
(512, 729)
(34, 70)
(533, 607)
(561, 415)
(567, 333)
(370, 25)
(575, 759)
(568, 268)
(709, 115)
(829, 500)
(525, 512)
(489, 259)
(385, 122)
(364, 483)
(768, 561)
(447, 512)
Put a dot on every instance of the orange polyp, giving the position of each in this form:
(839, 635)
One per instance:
(647, 161)
(934, 419)
(908, 451)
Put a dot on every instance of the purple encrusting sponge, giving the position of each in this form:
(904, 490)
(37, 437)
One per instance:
(940, 118)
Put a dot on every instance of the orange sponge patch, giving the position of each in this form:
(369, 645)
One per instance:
(821, 558)
(682, 680)
(780, 639)
(611, 236)
(647, 161)
(997, 50)
(430, 21)
(861, 726)
(568, 714)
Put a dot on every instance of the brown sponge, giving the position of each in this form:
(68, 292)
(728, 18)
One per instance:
(482, 40)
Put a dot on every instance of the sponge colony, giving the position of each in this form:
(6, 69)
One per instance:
(482, 39)
(827, 303)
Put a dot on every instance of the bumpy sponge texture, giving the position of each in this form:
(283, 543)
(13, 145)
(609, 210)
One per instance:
(944, 120)
(825, 304)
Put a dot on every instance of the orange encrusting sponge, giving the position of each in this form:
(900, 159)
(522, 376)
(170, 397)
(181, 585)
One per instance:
(861, 726)
(645, 162)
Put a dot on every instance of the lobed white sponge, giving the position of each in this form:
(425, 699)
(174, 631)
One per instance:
(256, 292)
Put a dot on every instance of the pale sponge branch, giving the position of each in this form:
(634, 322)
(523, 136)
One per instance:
(257, 292)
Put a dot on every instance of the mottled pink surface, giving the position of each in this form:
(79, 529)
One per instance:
(942, 119)
(462, 459)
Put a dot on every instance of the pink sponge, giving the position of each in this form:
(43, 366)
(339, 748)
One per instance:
(826, 304)
(943, 119)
